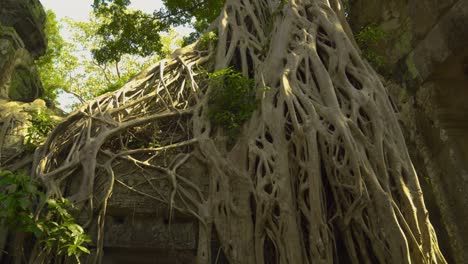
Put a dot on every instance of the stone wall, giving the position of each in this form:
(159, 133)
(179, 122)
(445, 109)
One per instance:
(427, 54)
(139, 227)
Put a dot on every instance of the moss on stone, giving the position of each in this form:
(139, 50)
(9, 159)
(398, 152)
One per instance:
(404, 45)
(411, 66)
(23, 87)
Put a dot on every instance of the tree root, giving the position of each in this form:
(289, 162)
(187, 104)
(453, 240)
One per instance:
(320, 174)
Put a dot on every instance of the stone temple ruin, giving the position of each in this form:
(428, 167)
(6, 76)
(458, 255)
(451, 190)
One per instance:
(427, 74)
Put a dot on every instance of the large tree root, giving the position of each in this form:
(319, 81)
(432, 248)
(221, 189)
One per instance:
(320, 174)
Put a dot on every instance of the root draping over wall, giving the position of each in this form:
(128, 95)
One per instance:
(319, 174)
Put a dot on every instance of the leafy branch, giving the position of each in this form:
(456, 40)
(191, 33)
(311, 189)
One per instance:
(54, 226)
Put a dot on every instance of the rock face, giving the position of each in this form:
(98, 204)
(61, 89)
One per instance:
(19, 80)
(426, 49)
(22, 39)
(15, 118)
(27, 17)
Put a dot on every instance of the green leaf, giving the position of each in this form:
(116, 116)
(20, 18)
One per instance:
(11, 188)
(83, 249)
(77, 229)
(71, 250)
(31, 188)
(24, 203)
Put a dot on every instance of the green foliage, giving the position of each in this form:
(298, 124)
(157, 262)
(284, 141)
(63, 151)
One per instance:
(90, 78)
(51, 78)
(60, 232)
(179, 12)
(367, 38)
(17, 195)
(55, 227)
(107, 51)
(124, 31)
(375, 59)
(370, 34)
(70, 67)
(232, 101)
(114, 86)
(199, 14)
(41, 125)
(133, 32)
(208, 39)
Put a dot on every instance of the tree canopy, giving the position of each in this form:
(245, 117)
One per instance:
(80, 65)
(51, 78)
(198, 13)
(123, 31)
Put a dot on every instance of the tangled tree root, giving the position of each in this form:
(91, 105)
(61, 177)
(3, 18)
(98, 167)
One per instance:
(320, 173)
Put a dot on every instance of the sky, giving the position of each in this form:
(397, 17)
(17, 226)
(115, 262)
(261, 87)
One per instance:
(79, 10)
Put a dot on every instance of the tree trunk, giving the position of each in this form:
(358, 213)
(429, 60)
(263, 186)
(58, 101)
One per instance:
(319, 174)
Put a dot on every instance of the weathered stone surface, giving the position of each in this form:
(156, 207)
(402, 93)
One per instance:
(19, 80)
(427, 53)
(406, 22)
(10, 42)
(139, 228)
(3, 240)
(28, 18)
(149, 231)
(147, 256)
(14, 121)
(22, 39)
(447, 38)
(25, 85)
(441, 121)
